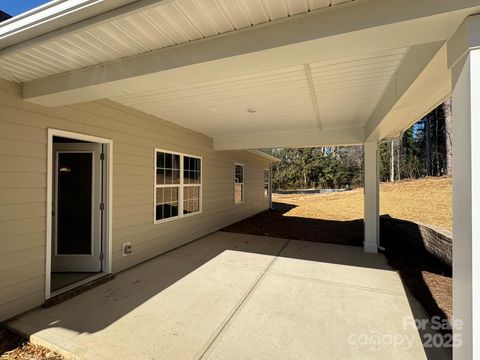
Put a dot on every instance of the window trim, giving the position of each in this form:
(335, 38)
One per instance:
(267, 195)
(234, 183)
(180, 186)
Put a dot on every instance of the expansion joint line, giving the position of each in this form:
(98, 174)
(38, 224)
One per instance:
(240, 304)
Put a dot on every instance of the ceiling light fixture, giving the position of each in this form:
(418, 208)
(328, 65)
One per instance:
(252, 110)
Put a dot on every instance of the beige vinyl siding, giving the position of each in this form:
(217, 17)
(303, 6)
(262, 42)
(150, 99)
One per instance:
(135, 135)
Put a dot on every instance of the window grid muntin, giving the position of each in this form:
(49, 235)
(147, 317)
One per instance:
(178, 166)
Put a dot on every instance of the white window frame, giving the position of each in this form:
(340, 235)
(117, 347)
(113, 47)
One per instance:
(266, 182)
(235, 183)
(180, 186)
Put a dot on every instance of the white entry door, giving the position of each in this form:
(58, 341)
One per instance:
(77, 207)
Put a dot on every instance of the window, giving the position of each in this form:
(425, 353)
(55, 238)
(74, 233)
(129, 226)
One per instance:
(192, 183)
(178, 182)
(266, 183)
(238, 183)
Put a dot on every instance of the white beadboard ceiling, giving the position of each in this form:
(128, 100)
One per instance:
(168, 24)
(334, 94)
(325, 95)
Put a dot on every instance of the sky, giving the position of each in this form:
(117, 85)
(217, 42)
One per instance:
(15, 7)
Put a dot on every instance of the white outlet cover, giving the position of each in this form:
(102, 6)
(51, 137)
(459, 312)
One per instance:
(127, 249)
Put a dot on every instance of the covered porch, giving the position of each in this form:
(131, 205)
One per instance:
(270, 74)
(218, 298)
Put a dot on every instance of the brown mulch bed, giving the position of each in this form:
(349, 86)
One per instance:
(427, 279)
(337, 218)
(15, 347)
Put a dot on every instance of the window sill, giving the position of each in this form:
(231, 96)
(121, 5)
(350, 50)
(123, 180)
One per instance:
(179, 217)
(156, 222)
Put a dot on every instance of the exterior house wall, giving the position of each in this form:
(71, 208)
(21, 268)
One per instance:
(135, 135)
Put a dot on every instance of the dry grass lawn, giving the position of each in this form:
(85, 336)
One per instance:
(426, 201)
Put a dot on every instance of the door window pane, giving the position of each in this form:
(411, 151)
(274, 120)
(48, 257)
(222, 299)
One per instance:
(74, 203)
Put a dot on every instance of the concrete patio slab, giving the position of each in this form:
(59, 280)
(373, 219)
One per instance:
(341, 265)
(234, 296)
(304, 309)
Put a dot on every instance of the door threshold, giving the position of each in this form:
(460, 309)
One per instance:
(77, 288)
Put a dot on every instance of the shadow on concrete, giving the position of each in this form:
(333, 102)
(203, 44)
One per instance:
(404, 251)
(98, 308)
(274, 223)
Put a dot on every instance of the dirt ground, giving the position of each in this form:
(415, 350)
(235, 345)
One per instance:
(337, 218)
(14, 347)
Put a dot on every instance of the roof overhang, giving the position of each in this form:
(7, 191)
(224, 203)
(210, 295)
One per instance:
(30, 26)
(264, 155)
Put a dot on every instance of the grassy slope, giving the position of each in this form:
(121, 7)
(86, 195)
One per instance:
(427, 201)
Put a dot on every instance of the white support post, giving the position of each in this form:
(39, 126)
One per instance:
(464, 62)
(371, 198)
(466, 205)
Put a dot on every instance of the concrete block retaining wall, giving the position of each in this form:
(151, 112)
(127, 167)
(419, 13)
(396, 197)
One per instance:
(438, 243)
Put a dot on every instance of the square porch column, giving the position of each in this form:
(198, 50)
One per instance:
(371, 198)
(464, 61)
(466, 204)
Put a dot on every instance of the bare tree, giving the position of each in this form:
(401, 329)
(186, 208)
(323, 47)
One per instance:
(435, 144)
(392, 162)
(428, 146)
(447, 107)
(399, 152)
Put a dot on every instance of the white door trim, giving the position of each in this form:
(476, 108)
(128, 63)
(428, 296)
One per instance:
(107, 238)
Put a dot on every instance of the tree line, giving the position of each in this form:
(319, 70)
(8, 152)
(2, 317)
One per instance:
(425, 149)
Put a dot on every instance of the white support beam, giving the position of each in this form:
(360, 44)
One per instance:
(420, 84)
(294, 139)
(340, 32)
(464, 56)
(465, 39)
(371, 198)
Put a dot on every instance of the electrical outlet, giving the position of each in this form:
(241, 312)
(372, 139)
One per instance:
(127, 249)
